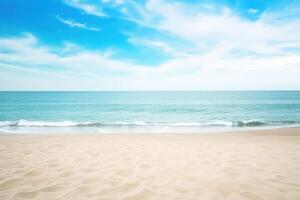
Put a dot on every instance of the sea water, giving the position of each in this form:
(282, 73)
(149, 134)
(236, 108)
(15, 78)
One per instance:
(143, 112)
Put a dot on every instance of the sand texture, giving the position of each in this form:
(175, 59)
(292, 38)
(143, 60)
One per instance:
(251, 165)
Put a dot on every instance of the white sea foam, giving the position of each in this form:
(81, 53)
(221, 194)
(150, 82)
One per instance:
(206, 124)
(7, 123)
(46, 123)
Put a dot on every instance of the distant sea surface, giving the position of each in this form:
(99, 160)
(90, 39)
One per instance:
(146, 112)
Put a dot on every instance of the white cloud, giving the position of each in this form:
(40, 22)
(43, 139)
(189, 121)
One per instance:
(86, 7)
(74, 24)
(223, 25)
(214, 26)
(158, 45)
(213, 48)
(252, 11)
(115, 2)
(27, 51)
(234, 41)
(26, 64)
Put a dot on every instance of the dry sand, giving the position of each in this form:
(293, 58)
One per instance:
(249, 165)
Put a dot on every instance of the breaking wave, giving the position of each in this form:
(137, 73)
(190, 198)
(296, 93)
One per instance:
(251, 123)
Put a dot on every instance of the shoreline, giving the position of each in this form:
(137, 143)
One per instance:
(246, 131)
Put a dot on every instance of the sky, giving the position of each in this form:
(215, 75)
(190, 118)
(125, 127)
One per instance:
(150, 45)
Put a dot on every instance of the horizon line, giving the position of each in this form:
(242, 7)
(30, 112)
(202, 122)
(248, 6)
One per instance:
(263, 90)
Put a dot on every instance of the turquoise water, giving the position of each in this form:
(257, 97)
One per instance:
(107, 112)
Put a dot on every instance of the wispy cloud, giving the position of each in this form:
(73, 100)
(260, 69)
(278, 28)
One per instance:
(86, 7)
(23, 58)
(159, 45)
(208, 47)
(252, 11)
(74, 24)
(218, 26)
(115, 2)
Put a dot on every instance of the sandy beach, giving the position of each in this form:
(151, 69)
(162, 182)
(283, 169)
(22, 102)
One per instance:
(256, 165)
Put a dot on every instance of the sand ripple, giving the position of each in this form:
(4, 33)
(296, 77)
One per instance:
(132, 167)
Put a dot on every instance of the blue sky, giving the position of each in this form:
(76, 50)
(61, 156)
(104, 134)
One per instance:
(149, 45)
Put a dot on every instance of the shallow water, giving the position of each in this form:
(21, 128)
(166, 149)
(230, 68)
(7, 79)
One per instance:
(106, 112)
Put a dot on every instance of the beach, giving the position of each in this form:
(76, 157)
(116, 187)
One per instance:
(259, 164)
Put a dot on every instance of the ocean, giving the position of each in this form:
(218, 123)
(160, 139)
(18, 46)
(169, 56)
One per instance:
(147, 112)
